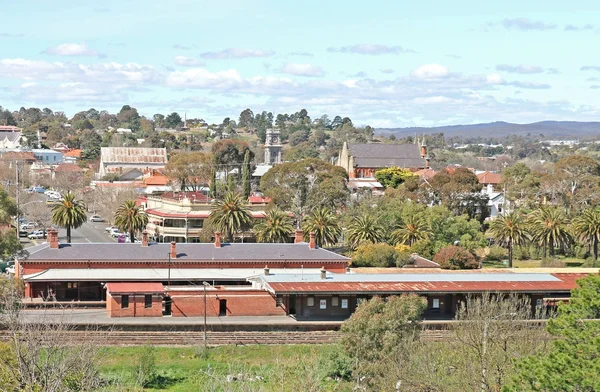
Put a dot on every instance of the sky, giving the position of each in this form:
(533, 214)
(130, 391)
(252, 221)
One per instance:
(382, 63)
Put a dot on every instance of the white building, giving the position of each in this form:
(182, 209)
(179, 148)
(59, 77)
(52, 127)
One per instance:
(10, 139)
(118, 159)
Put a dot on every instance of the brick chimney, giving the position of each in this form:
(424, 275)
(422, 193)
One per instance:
(423, 151)
(173, 250)
(144, 238)
(217, 239)
(312, 244)
(299, 236)
(53, 238)
(323, 273)
(267, 271)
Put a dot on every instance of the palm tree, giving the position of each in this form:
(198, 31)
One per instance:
(364, 228)
(324, 224)
(129, 218)
(275, 227)
(587, 227)
(414, 228)
(230, 215)
(548, 226)
(510, 230)
(69, 213)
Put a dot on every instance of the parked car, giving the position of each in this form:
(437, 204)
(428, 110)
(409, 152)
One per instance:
(23, 233)
(109, 229)
(116, 233)
(29, 226)
(36, 235)
(135, 240)
(96, 218)
(39, 189)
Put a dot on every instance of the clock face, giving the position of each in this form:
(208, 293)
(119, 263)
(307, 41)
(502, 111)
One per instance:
(274, 139)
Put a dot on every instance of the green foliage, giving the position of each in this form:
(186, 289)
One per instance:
(374, 255)
(324, 224)
(573, 363)
(377, 329)
(338, 365)
(456, 257)
(510, 230)
(276, 226)
(412, 229)
(69, 213)
(145, 369)
(246, 175)
(392, 177)
(549, 228)
(364, 229)
(230, 215)
(586, 226)
(129, 218)
(496, 253)
(301, 186)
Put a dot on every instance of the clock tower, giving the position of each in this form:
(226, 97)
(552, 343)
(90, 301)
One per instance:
(272, 147)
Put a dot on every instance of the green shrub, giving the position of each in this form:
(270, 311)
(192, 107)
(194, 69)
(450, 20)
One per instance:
(338, 365)
(374, 255)
(456, 257)
(145, 369)
(521, 253)
(496, 253)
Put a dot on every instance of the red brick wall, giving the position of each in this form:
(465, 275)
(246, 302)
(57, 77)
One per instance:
(136, 306)
(239, 303)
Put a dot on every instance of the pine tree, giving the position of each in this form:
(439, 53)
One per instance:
(246, 175)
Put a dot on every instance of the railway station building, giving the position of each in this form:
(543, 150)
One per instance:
(249, 279)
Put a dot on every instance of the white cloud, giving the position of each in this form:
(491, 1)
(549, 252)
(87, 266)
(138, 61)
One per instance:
(494, 78)
(72, 49)
(520, 69)
(237, 53)
(371, 49)
(188, 61)
(302, 70)
(430, 71)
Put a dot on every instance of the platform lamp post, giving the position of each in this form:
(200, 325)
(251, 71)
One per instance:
(205, 284)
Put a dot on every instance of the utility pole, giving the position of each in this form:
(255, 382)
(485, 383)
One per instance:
(17, 198)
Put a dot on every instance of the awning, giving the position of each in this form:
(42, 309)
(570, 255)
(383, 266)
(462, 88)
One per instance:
(156, 274)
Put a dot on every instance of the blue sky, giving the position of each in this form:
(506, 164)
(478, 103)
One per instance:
(383, 63)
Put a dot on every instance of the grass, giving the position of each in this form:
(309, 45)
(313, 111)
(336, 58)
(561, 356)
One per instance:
(280, 368)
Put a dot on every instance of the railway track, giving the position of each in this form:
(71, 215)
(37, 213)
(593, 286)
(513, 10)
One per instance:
(194, 338)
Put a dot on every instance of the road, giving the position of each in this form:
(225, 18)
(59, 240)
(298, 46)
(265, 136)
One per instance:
(89, 232)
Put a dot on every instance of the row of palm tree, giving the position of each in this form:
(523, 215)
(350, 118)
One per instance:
(548, 227)
(70, 213)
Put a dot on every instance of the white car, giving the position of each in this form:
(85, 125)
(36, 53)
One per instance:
(29, 226)
(36, 235)
(96, 218)
(110, 229)
(116, 233)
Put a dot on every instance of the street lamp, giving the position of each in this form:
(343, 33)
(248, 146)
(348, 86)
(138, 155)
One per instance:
(205, 284)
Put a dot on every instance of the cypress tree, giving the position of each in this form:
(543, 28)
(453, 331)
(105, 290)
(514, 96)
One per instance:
(246, 175)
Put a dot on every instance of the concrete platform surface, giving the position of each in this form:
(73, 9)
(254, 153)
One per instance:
(100, 317)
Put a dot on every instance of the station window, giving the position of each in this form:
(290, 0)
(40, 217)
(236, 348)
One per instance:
(310, 301)
(147, 301)
(124, 301)
(436, 303)
(334, 301)
(71, 285)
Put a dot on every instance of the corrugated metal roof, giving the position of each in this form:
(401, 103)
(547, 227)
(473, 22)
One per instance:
(416, 277)
(134, 288)
(145, 155)
(448, 284)
(185, 252)
(156, 274)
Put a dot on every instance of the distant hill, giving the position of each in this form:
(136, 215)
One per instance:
(499, 129)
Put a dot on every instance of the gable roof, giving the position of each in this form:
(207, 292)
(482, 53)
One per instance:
(18, 156)
(142, 155)
(73, 153)
(386, 155)
(489, 178)
(10, 136)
